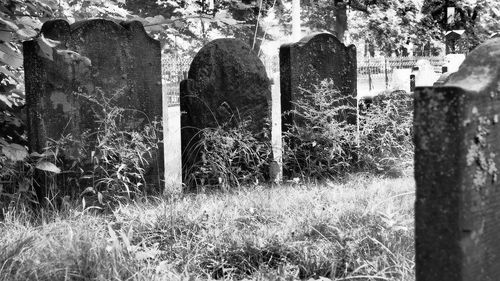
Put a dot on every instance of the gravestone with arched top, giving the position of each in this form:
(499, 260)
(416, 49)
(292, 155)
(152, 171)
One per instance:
(121, 69)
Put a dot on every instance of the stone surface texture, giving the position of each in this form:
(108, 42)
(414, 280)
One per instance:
(315, 58)
(457, 139)
(227, 84)
(230, 84)
(125, 71)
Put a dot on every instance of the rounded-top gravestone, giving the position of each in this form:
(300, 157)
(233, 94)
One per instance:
(95, 65)
(317, 57)
(227, 85)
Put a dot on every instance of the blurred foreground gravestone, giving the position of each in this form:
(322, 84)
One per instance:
(227, 86)
(119, 67)
(457, 139)
(318, 57)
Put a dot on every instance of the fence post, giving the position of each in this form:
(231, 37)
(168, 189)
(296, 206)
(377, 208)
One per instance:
(457, 144)
(412, 82)
(386, 77)
(370, 86)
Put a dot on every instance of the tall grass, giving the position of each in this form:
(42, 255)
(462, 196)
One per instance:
(115, 161)
(226, 156)
(324, 140)
(361, 229)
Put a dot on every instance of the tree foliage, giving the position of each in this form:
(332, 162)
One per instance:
(387, 24)
(392, 25)
(479, 18)
(183, 26)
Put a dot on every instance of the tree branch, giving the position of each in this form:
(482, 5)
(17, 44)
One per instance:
(167, 21)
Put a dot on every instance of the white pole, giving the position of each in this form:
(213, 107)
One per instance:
(296, 36)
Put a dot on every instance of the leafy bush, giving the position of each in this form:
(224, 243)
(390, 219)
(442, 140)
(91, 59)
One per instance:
(105, 166)
(325, 142)
(320, 143)
(226, 156)
(17, 165)
(114, 160)
(386, 136)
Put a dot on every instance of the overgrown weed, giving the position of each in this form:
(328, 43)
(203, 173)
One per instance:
(101, 168)
(225, 157)
(340, 231)
(324, 142)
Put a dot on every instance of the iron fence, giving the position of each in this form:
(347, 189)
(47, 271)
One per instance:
(376, 73)
(173, 69)
(383, 66)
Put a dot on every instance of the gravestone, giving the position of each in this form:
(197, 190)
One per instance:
(453, 62)
(315, 58)
(457, 139)
(124, 70)
(227, 84)
(400, 79)
(424, 73)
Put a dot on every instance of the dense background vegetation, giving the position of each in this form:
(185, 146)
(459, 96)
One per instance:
(183, 26)
(352, 226)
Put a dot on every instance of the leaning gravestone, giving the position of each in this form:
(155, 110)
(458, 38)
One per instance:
(304, 64)
(457, 144)
(227, 84)
(122, 69)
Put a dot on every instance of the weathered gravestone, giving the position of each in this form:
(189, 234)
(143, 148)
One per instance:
(227, 84)
(304, 64)
(63, 97)
(457, 144)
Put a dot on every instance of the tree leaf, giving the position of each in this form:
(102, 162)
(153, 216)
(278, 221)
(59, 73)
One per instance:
(74, 57)
(10, 24)
(100, 198)
(5, 102)
(26, 33)
(10, 57)
(47, 166)
(7, 72)
(30, 22)
(46, 47)
(15, 152)
(36, 154)
(5, 36)
(16, 93)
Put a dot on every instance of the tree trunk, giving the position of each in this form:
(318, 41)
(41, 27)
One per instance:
(340, 19)
(296, 34)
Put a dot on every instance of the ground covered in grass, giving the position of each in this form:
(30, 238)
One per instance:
(358, 230)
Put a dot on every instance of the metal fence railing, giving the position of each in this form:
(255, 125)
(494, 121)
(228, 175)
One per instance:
(374, 72)
(366, 66)
(379, 74)
(173, 69)
(383, 66)
(171, 92)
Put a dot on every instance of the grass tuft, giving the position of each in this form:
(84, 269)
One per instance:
(358, 230)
